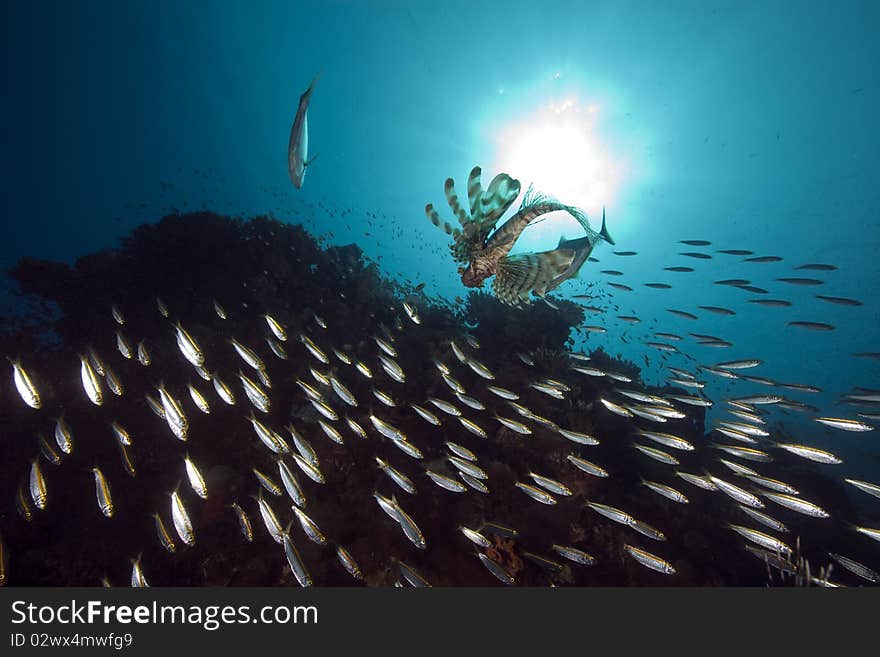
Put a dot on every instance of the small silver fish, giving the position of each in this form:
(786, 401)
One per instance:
(124, 346)
(102, 492)
(513, 425)
(480, 369)
(536, 493)
(587, 466)
(196, 480)
(309, 526)
(649, 560)
(473, 427)
(37, 485)
(348, 562)
(181, 520)
(63, 436)
(267, 482)
(463, 452)
(445, 406)
(811, 453)
(426, 415)
(277, 330)
(797, 504)
(666, 491)
(198, 399)
(248, 355)
(446, 482)
(163, 534)
(574, 554)
(91, 383)
(143, 354)
(294, 560)
(291, 484)
(504, 393)
(396, 476)
(656, 454)
(357, 428)
(332, 433)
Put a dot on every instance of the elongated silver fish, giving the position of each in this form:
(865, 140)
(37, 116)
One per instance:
(181, 520)
(348, 562)
(811, 453)
(90, 381)
(574, 554)
(578, 437)
(762, 539)
(864, 486)
(666, 491)
(426, 415)
(463, 452)
(223, 391)
(513, 425)
(536, 493)
(737, 493)
(291, 483)
(846, 425)
(496, 569)
(656, 454)
(267, 482)
(386, 429)
(248, 355)
(550, 484)
(298, 144)
(243, 522)
(444, 406)
(164, 536)
(294, 560)
(309, 526)
(856, 568)
(37, 485)
(468, 468)
(196, 480)
(273, 526)
(198, 399)
(473, 427)
(63, 436)
(254, 393)
(649, 560)
(797, 504)
(102, 493)
(587, 466)
(666, 439)
(396, 476)
(143, 354)
(188, 346)
(446, 482)
(764, 519)
(410, 528)
(332, 433)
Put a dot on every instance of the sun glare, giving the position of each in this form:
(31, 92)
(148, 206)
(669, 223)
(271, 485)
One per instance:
(557, 150)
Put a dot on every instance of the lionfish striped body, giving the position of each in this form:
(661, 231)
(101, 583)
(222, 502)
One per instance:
(483, 255)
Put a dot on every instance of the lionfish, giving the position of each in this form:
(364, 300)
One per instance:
(483, 255)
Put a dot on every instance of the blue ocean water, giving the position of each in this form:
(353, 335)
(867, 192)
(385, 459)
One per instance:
(751, 125)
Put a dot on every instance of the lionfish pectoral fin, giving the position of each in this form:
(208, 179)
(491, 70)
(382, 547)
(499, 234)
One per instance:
(452, 199)
(520, 274)
(502, 192)
(475, 190)
(432, 214)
